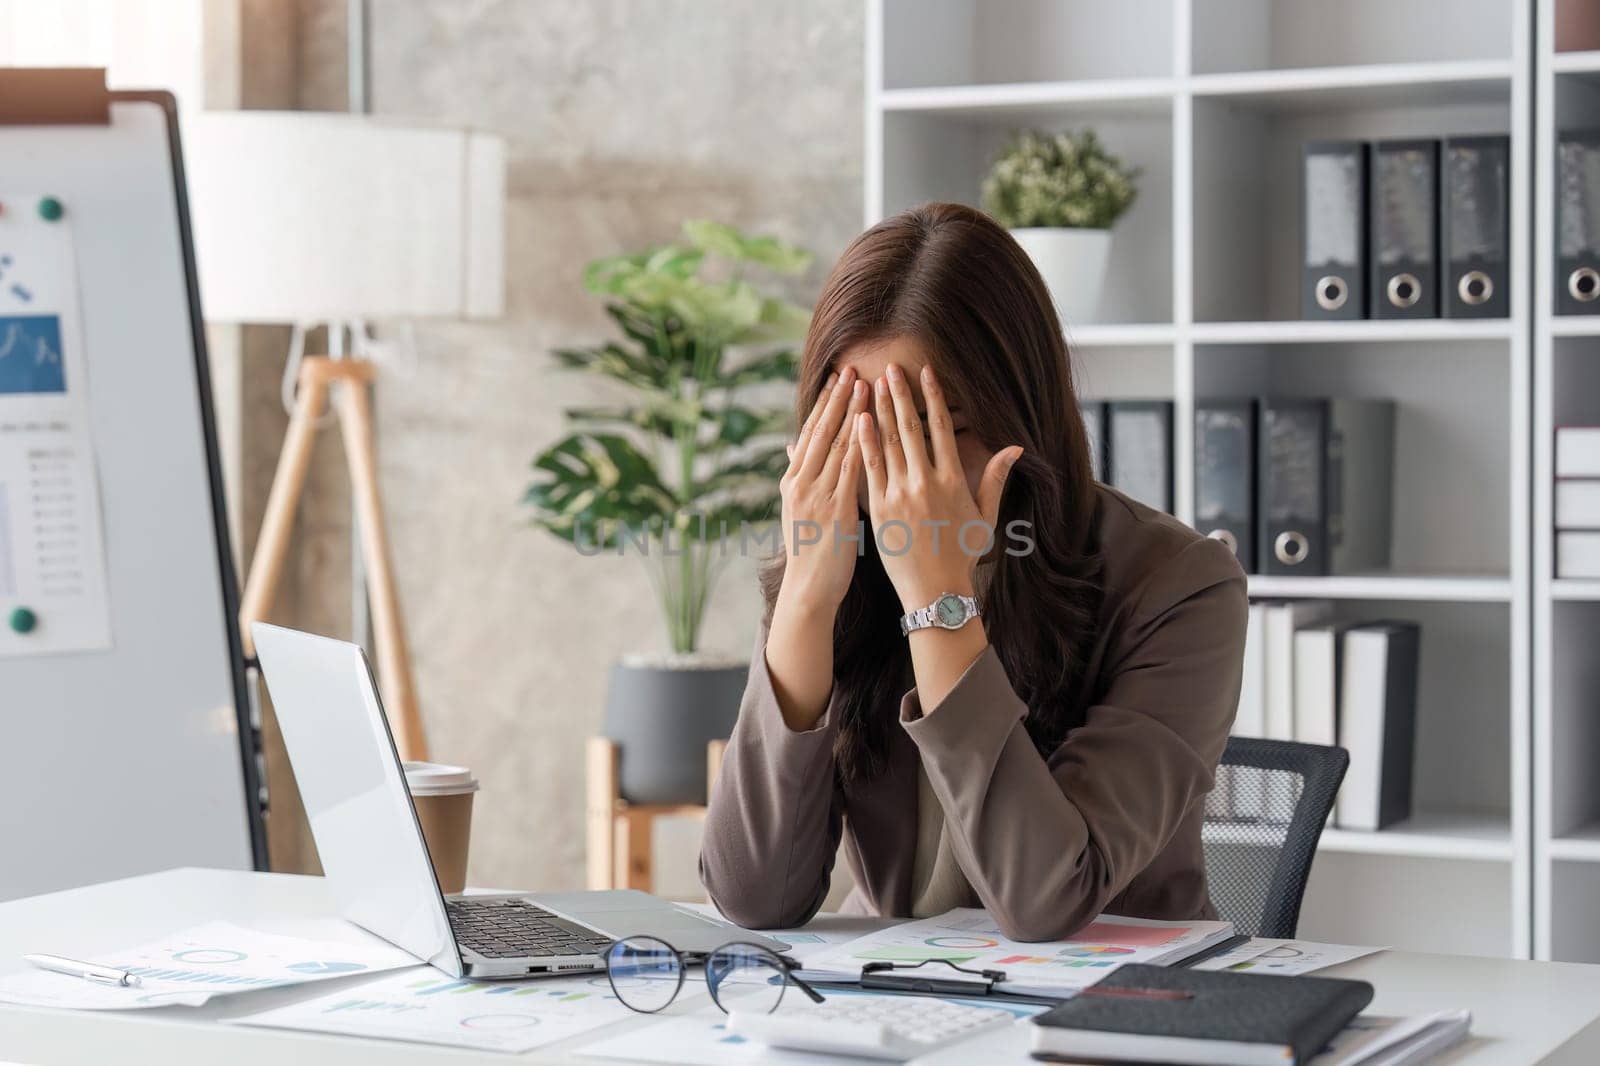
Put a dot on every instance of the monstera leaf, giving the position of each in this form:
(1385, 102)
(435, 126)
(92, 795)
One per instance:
(616, 275)
(774, 366)
(724, 240)
(596, 483)
(763, 468)
(688, 343)
(637, 369)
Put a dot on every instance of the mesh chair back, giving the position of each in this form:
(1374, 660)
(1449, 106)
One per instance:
(1262, 823)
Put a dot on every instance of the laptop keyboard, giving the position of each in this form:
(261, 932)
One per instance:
(513, 928)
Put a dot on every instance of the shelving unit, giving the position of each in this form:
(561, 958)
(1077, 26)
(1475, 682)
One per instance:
(1566, 612)
(1212, 100)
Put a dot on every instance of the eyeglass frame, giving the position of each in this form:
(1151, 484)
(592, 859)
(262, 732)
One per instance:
(786, 967)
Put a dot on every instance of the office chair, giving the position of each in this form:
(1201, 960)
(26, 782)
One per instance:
(1263, 820)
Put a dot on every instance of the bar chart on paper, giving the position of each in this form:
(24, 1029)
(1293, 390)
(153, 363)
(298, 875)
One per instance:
(424, 1006)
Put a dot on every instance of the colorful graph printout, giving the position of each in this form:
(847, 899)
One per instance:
(1133, 936)
(1089, 951)
(425, 1006)
(218, 958)
(971, 938)
(969, 943)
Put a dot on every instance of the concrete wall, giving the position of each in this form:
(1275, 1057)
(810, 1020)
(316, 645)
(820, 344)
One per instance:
(623, 117)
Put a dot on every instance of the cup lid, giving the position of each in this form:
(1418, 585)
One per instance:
(437, 779)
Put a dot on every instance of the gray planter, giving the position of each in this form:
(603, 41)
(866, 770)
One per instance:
(661, 720)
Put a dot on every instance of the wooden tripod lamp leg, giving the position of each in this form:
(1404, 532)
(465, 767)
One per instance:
(277, 525)
(600, 812)
(394, 656)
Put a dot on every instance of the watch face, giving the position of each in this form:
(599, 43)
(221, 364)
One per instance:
(950, 611)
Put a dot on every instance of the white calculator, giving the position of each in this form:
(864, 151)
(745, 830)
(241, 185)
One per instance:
(875, 1027)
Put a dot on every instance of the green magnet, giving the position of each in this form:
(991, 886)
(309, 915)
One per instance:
(23, 620)
(50, 209)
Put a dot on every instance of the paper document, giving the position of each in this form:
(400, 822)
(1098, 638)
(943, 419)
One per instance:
(700, 1037)
(1375, 1040)
(53, 594)
(970, 938)
(425, 1006)
(815, 937)
(190, 967)
(1285, 957)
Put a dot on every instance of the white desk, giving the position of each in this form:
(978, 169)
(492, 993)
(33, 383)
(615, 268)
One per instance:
(1523, 1012)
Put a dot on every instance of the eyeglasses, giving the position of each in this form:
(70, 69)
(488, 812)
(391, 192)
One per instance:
(646, 974)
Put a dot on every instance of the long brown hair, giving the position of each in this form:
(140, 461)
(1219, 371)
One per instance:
(952, 279)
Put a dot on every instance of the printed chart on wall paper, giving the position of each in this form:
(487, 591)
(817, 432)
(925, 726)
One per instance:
(190, 967)
(53, 595)
(429, 1007)
(970, 938)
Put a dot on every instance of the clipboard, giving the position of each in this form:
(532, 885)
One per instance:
(897, 978)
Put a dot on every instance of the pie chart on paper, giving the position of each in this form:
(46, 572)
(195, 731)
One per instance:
(321, 968)
(961, 942)
(1090, 951)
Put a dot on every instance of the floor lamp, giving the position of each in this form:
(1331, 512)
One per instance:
(341, 220)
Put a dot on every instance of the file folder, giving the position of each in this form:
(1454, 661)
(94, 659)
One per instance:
(1474, 230)
(1378, 723)
(1225, 475)
(1333, 231)
(1139, 450)
(1404, 236)
(1578, 223)
(1326, 484)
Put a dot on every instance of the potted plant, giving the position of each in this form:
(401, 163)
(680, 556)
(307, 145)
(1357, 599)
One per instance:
(1059, 194)
(677, 475)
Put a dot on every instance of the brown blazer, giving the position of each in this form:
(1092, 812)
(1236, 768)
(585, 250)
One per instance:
(1109, 822)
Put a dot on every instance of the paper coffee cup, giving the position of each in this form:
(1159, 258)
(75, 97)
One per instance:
(443, 798)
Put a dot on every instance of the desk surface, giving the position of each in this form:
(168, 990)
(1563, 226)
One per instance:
(1523, 1012)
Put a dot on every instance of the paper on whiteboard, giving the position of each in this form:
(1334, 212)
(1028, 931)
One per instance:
(428, 1007)
(53, 595)
(190, 967)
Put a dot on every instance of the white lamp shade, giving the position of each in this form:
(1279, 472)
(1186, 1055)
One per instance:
(305, 217)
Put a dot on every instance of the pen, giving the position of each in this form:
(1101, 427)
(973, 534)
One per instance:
(104, 975)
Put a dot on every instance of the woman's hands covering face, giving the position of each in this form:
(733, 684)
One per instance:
(930, 530)
(819, 497)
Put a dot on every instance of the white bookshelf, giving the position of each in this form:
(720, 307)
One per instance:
(1212, 99)
(1566, 612)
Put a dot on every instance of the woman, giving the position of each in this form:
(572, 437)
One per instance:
(1047, 759)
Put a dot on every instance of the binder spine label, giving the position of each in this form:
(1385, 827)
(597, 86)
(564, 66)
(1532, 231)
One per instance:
(1578, 224)
(1474, 228)
(1333, 230)
(1404, 243)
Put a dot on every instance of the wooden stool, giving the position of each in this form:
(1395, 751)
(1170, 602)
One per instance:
(620, 852)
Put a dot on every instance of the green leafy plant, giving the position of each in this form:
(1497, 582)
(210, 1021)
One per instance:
(1058, 180)
(684, 462)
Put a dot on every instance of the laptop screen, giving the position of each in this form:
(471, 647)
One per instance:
(354, 790)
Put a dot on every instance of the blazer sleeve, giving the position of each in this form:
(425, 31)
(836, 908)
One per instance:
(776, 814)
(1047, 843)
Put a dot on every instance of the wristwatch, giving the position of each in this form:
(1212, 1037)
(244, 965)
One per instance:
(949, 611)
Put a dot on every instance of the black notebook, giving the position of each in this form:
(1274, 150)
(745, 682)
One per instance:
(1144, 1013)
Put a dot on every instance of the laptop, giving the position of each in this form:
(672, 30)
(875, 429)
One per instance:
(376, 859)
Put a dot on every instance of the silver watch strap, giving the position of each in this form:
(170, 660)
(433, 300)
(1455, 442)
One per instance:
(927, 617)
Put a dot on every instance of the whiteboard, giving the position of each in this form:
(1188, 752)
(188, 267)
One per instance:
(139, 756)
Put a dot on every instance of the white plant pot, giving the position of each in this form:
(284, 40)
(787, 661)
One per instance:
(1073, 265)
